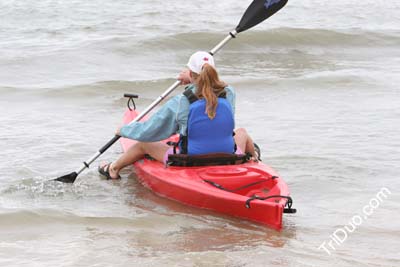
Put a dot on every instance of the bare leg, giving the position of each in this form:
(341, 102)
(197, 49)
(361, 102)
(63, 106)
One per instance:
(244, 142)
(156, 150)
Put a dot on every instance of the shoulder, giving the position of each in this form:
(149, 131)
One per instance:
(230, 93)
(182, 102)
(186, 94)
(230, 90)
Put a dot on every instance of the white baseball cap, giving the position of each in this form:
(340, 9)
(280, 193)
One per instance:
(198, 59)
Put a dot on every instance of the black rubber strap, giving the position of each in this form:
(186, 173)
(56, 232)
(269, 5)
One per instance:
(190, 96)
(173, 144)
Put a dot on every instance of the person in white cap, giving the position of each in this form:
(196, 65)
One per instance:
(198, 59)
(203, 116)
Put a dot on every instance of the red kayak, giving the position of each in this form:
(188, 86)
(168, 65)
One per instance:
(250, 190)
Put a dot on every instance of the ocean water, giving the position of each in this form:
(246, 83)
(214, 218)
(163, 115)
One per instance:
(317, 88)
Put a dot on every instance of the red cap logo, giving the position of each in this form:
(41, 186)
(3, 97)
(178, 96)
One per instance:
(205, 59)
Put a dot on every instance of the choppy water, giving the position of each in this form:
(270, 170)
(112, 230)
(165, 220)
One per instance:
(317, 88)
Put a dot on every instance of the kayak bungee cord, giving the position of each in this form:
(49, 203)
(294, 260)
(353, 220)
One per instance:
(239, 188)
(258, 11)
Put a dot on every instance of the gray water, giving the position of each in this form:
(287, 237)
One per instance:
(317, 88)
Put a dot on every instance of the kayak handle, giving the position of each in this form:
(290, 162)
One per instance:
(131, 95)
(130, 101)
(289, 202)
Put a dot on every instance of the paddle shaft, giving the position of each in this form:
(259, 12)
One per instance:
(95, 156)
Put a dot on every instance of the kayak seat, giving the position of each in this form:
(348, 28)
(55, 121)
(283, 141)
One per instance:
(214, 159)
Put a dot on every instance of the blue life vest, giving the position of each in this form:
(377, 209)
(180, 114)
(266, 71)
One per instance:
(206, 136)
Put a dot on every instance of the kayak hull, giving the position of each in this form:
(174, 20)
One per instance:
(224, 189)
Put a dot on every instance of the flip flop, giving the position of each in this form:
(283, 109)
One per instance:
(105, 171)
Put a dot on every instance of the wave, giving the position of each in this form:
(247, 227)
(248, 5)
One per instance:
(146, 89)
(284, 37)
(42, 217)
(127, 58)
(183, 44)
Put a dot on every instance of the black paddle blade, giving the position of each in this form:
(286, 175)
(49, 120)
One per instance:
(258, 11)
(69, 178)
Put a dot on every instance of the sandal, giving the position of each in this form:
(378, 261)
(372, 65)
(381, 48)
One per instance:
(105, 171)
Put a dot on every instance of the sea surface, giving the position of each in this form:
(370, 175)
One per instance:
(317, 88)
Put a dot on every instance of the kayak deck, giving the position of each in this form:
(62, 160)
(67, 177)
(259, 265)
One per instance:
(251, 190)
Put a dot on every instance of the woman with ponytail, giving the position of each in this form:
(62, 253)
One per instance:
(203, 116)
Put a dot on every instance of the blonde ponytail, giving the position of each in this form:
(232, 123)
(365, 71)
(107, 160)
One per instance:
(209, 87)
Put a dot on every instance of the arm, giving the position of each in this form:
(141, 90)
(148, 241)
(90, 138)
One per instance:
(159, 126)
(231, 97)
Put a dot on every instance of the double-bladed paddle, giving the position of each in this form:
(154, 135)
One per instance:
(258, 11)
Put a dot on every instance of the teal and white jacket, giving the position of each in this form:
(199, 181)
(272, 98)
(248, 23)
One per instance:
(170, 119)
